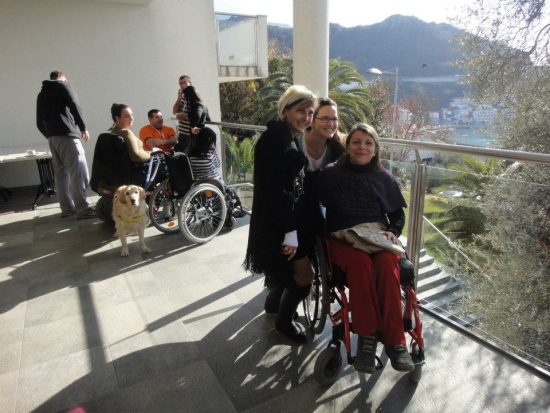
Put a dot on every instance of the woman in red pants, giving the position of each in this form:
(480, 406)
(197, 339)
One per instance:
(357, 190)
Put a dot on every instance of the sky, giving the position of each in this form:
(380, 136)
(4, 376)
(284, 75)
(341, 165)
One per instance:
(348, 13)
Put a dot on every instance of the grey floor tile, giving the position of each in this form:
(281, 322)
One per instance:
(112, 403)
(10, 350)
(8, 391)
(124, 288)
(59, 304)
(20, 235)
(50, 280)
(184, 276)
(51, 258)
(66, 381)
(13, 303)
(264, 369)
(13, 319)
(59, 338)
(191, 389)
(146, 339)
(217, 333)
(15, 253)
(510, 389)
(112, 264)
(14, 270)
(208, 298)
(183, 329)
(245, 286)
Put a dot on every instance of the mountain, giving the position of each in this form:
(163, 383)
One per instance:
(419, 49)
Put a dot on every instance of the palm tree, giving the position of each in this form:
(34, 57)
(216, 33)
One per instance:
(239, 158)
(274, 86)
(346, 87)
(474, 174)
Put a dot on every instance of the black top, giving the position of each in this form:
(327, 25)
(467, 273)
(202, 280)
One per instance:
(354, 194)
(57, 110)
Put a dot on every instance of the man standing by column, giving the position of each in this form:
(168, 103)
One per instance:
(57, 116)
(182, 111)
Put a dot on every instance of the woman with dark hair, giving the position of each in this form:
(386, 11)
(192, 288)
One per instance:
(321, 144)
(203, 157)
(123, 119)
(275, 240)
(357, 190)
(199, 111)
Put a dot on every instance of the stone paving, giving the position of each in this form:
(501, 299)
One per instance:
(182, 329)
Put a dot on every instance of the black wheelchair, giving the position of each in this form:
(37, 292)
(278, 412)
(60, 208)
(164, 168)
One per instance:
(328, 298)
(199, 209)
(112, 167)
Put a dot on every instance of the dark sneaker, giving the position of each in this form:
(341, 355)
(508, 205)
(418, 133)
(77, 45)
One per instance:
(365, 359)
(399, 357)
(87, 213)
(67, 214)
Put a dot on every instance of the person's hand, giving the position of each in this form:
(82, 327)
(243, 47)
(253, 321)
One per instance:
(391, 236)
(289, 250)
(85, 136)
(195, 131)
(180, 93)
(181, 116)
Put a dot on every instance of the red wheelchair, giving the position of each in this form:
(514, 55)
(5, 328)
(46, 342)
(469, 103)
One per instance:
(328, 298)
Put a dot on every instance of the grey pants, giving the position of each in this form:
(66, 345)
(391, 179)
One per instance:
(71, 172)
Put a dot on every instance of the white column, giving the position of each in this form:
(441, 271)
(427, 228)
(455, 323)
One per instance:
(311, 44)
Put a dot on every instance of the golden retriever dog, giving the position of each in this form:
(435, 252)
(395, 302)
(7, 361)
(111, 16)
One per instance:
(130, 215)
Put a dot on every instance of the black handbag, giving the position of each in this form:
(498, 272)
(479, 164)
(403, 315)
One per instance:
(406, 270)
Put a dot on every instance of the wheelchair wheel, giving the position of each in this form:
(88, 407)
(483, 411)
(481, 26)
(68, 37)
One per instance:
(163, 210)
(202, 213)
(104, 209)
(316, 304)
(327, 366)
(230, 223)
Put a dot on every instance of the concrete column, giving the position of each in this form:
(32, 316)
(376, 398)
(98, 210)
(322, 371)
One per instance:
(311, 44)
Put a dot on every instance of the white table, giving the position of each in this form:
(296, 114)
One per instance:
(44, 162)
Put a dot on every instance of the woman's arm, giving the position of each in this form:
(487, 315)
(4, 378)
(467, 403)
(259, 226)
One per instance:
(135, 151)
(397, 222)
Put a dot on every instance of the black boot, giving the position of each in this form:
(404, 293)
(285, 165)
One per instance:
(273, 299)
(291, 298)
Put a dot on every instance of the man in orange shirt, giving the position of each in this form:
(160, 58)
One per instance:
(156, 135)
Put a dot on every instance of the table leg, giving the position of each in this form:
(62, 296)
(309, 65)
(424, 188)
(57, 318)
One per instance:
(47, 182)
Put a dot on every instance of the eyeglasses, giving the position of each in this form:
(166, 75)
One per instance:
(326, 119)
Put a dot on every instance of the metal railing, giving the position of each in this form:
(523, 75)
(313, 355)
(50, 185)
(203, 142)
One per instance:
(418, 177)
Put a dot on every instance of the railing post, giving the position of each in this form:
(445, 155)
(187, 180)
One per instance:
(416, 225)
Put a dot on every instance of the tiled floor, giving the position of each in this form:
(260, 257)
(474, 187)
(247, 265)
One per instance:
(182, 330)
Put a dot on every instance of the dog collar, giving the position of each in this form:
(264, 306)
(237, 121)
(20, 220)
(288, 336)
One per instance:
(134, 219)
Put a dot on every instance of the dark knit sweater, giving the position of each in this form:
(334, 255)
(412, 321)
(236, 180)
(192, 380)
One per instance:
(354, 194)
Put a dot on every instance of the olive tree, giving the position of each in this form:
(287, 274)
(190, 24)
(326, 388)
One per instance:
(505, 45)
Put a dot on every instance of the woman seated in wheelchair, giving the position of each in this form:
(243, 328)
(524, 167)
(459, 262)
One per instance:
(354, 190)
(203, 157)
(123, 119)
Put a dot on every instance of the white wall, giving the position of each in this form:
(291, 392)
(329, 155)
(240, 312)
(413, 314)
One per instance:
(110, 52)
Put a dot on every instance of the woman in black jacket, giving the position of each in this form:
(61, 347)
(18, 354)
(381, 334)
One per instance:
(275, 243)
(321, 144)
(199, 112)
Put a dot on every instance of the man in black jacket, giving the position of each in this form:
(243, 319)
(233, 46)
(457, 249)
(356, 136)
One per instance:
(57, 116)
